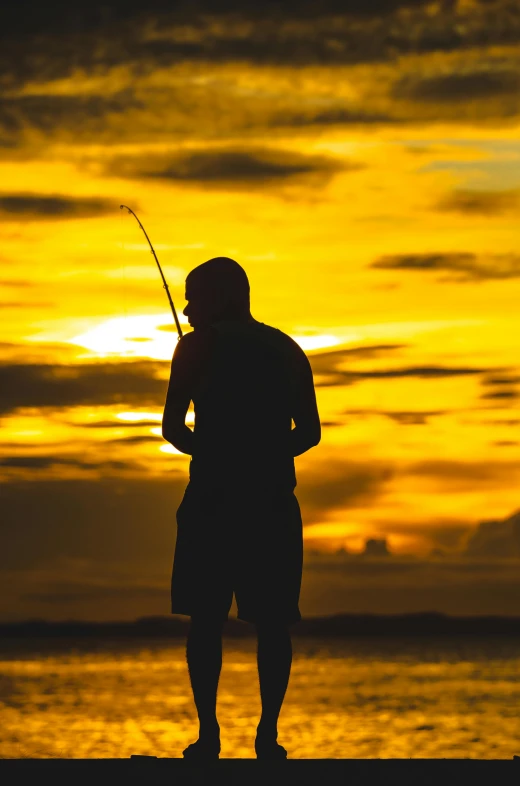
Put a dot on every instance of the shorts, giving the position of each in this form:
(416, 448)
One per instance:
(249, 544)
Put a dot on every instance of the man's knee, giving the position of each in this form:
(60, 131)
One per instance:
(272, 629)
(206, 624)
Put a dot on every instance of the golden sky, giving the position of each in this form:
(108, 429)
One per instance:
(364, 168)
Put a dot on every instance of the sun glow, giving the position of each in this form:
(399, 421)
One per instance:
(135, 417)
(167, 448)
(150, 336)
(316, 342)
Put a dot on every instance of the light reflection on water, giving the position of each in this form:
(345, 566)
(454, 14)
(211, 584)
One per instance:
(357, 698)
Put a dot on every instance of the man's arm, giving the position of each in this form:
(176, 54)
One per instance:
(180, 388)
(307, 431)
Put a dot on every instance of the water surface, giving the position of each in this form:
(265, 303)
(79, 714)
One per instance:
(355, 698)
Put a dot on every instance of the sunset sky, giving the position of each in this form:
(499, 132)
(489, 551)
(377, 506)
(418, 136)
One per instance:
(362, 162)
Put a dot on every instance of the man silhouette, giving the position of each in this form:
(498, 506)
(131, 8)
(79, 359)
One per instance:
(239, 527)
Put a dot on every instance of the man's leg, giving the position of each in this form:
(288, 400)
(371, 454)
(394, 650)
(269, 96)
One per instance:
(274, 667)
(204, 656)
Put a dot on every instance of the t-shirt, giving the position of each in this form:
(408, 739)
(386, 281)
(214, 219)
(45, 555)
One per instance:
(244, 378)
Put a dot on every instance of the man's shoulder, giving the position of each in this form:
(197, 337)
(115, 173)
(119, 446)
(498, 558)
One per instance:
(278, 336)
(286, 344)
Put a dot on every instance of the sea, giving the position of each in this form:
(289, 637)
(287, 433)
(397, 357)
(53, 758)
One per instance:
(356, 697)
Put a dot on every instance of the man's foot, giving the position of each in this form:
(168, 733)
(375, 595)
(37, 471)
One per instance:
(206, 748)
(267, 748)
(202, 750)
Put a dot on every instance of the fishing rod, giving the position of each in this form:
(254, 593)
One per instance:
(165, 285)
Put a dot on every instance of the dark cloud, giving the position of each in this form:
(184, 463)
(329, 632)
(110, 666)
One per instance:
(335, 377)
(465, 475)
(137, 42)
(35, 206)
(66, 592)
(376, 547)
(46, 462)
(29, 17)
(500, 394)
(413, 418)
(459, 87)
(405, 418)
(502, 388)
(340, 484)
(390, 586)
(67, 545)
(501, 381)
(105, 519)
(464, 265)
(336, 115)
(496, 538)
(328, 362)
(487, 203)
(229, 166)
(327, 367)
(69, 113)
(54, 386)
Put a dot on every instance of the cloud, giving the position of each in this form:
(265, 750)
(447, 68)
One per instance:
(108, 520)
(454, 585)
(496, 538)
(459, 87)
(376, 547)
(487, 203)
(413, 418)
(54, 386)
(465, 266)
(501, 385)
(45, 462)
(339, 484)
(240, 166)
(335, 115)
(323, 360)
(63, 592)
(326, 364)
(70, 113)
(16, 283)
(327, 367)
(36, 206)
(418, 372)
(26, 303)
(63, 542)
(500, 394)
(465, 475)
(501, 380)
(405, 418)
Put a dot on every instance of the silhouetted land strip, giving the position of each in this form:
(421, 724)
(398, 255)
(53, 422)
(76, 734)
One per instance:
(301, 772)
(339, 625)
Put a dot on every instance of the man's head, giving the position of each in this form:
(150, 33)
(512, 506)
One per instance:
(217, 289)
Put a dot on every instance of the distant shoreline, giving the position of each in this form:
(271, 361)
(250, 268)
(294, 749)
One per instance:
(337, 625)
